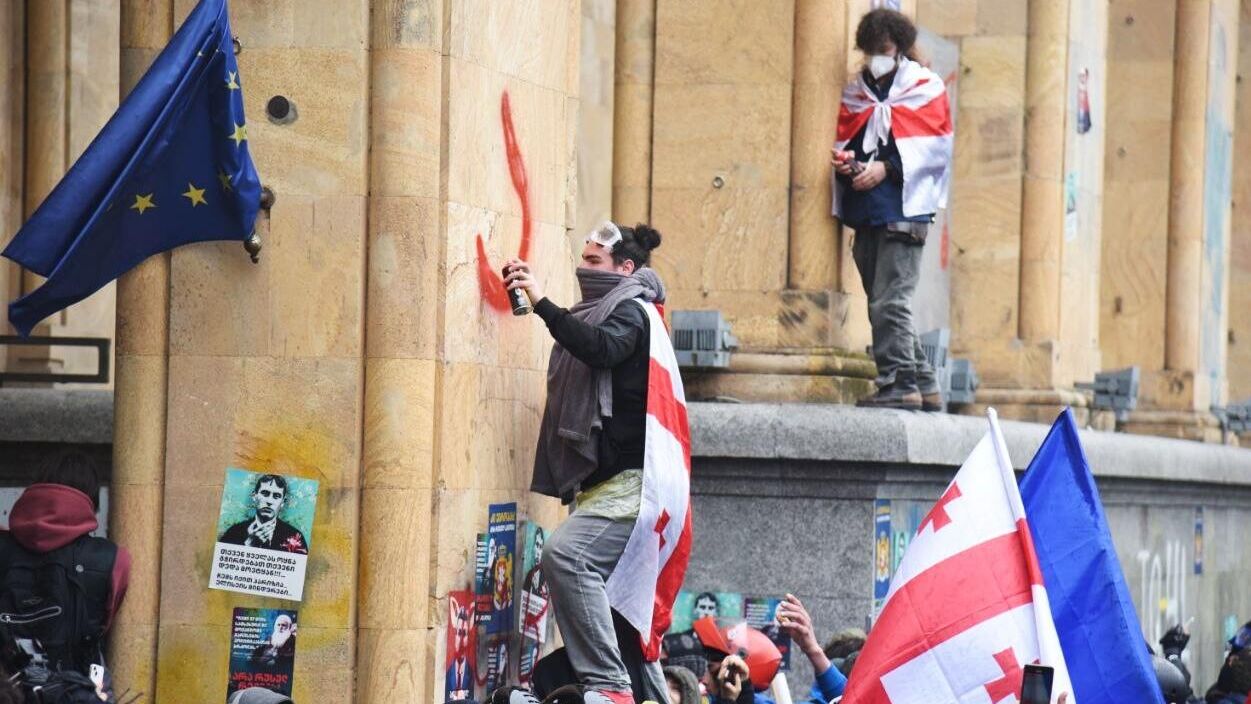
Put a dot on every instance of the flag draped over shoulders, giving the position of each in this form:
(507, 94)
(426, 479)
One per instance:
(917, 113)
(170, 167)
(646, 580)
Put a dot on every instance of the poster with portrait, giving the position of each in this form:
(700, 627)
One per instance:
(500, 555)
(262, 649)
(761, 613)
(690, 606)
(263, 532)
(483, 584)
(497, 660)
(462, 649)
(533, 609)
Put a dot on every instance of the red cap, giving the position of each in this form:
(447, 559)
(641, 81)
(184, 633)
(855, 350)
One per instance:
(762, 657)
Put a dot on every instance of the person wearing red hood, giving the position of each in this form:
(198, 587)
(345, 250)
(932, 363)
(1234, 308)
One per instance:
(51, 522)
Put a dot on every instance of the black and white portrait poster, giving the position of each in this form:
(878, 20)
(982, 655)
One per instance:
(263, 534)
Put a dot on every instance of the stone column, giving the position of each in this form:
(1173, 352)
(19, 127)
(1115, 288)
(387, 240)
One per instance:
(632, 110)
(820, 35)
(1042, 207)
(266, 367)
(47, 74)
(12, 112)
(136, 491)
(1185, 221)
(395, 640)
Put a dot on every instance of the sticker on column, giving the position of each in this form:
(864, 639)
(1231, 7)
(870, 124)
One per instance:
(1070, 206)
(262, 649)
(263, 534)
(461, 646)
(1084, 122)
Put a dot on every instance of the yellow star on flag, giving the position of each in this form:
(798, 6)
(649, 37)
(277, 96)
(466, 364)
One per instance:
(225, 179)
(231, 83)
(142, 203)
(240, 134)
(196, 195)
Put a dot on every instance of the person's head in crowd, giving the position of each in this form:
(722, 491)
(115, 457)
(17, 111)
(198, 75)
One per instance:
(259, 695)
(683, 685)
(620, 249)
(885, 35)
(75, 469)
(844, 643)
(706, 604)
(269, 495)
(684, 650)
(1235, 675)
(1172, 682)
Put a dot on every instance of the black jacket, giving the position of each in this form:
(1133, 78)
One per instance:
(620, 343)
(286, 538)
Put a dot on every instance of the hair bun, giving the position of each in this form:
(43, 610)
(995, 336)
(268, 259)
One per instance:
(647, 236)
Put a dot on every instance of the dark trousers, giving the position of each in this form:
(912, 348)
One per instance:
(889, 264)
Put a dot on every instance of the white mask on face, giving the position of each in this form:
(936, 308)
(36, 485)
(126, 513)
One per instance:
(881, 64)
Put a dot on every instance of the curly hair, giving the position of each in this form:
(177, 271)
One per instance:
(880, 25)
(636, 245)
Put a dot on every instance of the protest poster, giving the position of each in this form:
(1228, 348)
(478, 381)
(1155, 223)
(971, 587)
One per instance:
(483, 581)
(881, 553)
(263, 532)
(535, 598)
(497, 659)
(262, 649)
(691, 606)
(761, 614)
(461, 647)
(500, 554)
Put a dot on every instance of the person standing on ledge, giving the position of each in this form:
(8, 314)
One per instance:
(892, 158)
(612, 376)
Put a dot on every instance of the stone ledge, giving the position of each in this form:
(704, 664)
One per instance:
(830, 432)
(56, 415)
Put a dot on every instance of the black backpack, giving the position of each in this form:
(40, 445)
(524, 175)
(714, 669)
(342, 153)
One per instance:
(58, 600)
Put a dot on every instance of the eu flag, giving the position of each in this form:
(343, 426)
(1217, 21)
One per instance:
(171, 167)
(1095, 619)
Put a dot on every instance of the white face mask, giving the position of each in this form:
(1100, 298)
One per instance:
(881, 64)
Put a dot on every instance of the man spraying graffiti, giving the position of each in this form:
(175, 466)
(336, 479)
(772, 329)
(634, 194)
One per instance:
(614, 436)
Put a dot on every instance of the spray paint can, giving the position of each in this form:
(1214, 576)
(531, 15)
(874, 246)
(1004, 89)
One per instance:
(517, 297)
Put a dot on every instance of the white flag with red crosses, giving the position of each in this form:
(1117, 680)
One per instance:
(649, 574)
(967, 608)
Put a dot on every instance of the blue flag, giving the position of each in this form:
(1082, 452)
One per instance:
(1099, 633)
(171, 167)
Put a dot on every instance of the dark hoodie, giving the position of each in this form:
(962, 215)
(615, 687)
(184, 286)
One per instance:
(51, 516)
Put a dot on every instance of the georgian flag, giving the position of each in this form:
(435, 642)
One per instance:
(967, 609)
(916, 111)
(649, 574)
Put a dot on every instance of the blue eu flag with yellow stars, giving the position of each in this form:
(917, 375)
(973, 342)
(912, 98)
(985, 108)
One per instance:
(171, 167)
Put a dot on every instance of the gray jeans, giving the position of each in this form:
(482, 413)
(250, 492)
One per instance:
(889, 265)
(577, 560)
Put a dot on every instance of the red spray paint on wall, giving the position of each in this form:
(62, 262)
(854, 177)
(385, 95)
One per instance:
(490, 283)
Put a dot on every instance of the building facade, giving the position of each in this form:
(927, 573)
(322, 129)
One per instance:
(1094, 223)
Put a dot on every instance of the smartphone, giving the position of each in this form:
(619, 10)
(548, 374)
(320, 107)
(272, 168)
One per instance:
(1036, 684)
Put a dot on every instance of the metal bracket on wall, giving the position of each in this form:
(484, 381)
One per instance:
(101, 376)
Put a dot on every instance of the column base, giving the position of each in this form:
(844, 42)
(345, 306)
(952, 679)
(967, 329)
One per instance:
(813, 375)
(1185, 425)
(1037, 406)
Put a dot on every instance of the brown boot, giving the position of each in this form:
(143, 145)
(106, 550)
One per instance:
(902, 393)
